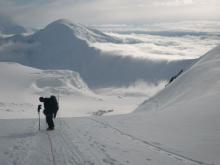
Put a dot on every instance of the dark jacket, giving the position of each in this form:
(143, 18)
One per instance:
(47, 107)
(50, 106)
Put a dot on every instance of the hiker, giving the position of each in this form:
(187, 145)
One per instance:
(50, 110)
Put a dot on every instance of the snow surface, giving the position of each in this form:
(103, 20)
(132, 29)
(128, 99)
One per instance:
(180, 128)
(21, 87)
(79, 141)
(201, 81)
(186, 113)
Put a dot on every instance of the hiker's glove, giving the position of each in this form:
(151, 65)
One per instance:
(39, 108)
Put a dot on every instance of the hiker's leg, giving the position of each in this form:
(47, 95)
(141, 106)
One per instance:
(50, 121)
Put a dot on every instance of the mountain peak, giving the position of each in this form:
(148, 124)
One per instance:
(65, 22)
(80, 31)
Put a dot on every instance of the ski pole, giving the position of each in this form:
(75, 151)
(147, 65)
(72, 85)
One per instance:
(39, 108)
(39, 121)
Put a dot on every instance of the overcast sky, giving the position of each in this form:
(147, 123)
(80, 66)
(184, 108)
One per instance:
(38, 13)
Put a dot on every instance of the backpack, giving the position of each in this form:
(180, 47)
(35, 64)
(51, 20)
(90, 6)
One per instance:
(54, 104)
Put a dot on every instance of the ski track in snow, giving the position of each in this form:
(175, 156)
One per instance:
(154, 146)
(79, 145)
(67, 151)
(25, 150)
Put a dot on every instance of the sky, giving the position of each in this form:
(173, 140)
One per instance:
(38, 13)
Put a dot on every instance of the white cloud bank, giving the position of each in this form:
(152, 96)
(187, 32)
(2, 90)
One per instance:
(160, 48)
(162, 41)
(138, 89)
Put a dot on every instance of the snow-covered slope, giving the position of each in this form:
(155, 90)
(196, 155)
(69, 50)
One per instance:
(183, 119)
(185, 132)
(21, 86)
(17, 77)
(82, 32)
(63, 45)
(193, 88)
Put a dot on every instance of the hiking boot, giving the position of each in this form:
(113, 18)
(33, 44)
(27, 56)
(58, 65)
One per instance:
(50, 128)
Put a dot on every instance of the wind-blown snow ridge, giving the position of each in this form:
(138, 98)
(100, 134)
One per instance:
(82, 32)
(61, 81)
(35, 81)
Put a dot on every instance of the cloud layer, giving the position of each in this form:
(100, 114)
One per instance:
(40, 12)
(167, 41)
(138, 89)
